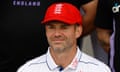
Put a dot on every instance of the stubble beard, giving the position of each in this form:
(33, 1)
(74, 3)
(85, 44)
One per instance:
(62, 48)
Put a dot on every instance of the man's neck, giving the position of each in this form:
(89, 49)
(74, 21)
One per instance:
(65, 58)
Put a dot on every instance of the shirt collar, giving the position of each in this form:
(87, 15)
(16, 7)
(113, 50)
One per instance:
(50, 62)
(76, 60)
(52, 65)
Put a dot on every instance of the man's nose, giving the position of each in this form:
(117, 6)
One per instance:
(57, 33)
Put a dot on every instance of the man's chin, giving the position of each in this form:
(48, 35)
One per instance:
(58, 49)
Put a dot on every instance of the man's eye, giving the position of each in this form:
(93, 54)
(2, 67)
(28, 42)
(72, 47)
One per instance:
(51, 27)
(65, 26)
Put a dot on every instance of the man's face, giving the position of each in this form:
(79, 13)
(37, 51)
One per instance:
(61, 37)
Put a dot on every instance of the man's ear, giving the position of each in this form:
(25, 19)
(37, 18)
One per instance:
(78, 31)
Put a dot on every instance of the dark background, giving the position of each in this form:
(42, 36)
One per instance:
(22, 35)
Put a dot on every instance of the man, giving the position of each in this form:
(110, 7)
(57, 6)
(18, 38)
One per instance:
(22, 37)
(108, 30)
(63, 25)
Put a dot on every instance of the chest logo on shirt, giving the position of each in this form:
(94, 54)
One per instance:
(25, 3)
(116, 8)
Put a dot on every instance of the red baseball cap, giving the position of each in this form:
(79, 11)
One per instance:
(64, 12)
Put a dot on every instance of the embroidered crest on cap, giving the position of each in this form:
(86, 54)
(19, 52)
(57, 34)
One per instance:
(58, 9)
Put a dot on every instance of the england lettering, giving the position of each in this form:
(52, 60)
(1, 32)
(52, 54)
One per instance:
(26, 3)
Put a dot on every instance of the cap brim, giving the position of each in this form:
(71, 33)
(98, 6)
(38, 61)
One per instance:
(58, 19)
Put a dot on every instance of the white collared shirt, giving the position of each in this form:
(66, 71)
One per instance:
(81, 63)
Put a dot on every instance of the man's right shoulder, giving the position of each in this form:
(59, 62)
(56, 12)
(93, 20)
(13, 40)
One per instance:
(36, 60)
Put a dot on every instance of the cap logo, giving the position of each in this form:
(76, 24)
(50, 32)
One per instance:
(58, 9)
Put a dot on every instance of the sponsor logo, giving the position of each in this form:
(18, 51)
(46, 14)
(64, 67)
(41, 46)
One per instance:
(116, 8)
(25, 3)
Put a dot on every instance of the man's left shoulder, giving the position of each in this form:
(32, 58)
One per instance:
(93, 63)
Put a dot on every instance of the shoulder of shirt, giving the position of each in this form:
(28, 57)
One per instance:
(86, 59)
(37, 60)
